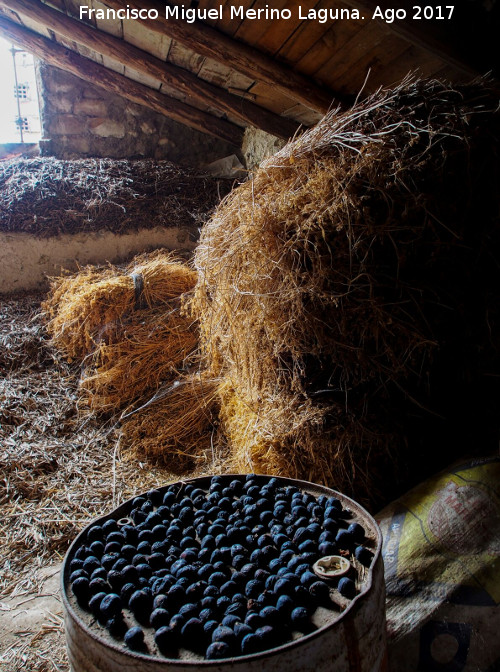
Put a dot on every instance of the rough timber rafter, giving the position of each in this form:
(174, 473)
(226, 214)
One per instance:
(57, 55)
(209, 42)
(183, 81)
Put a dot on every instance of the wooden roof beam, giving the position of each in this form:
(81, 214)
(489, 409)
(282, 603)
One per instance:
(177, 78)
(214, 44)
(96, 74)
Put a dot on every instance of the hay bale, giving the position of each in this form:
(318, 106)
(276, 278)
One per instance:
(340, 286)
(176, 426)
(84, 310)
(149, 350)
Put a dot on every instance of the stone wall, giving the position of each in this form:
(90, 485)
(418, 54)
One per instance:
(80, 120)
(259, 145)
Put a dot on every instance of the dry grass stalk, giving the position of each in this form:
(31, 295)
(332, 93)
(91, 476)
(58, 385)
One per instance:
(175, 427)
(330, 283)
(151, 349)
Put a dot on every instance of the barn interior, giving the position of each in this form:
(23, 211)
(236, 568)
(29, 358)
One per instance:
(252, 238)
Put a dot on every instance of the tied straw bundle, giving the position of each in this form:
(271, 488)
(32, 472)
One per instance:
(85, 309)
(128, 329)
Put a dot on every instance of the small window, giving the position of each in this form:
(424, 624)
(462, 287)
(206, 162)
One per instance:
(23, 123)
(19, 113)
(22, 91)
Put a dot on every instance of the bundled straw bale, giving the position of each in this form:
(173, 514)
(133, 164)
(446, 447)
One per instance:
(151, 349)
(137, 346)
(348, 294)
(84, 309)
(175, 425)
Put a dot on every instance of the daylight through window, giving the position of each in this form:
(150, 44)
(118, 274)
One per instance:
(19, 112)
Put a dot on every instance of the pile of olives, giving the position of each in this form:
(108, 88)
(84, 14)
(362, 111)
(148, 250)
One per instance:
(222, 572)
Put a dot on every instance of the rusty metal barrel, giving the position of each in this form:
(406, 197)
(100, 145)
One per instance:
(351, 640)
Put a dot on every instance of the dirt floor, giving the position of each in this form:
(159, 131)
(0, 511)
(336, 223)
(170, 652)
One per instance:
(58, 471)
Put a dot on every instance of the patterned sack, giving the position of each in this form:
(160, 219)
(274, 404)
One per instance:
(442, 569)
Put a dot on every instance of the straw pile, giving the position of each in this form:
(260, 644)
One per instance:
(347, 294)
(176, 425)
(87, 309)
(48, 196)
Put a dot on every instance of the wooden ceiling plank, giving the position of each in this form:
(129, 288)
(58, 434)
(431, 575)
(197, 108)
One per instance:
(372, 61)
(424, 34)
(96, 74)
(277, 35)
(152, 69)
(305, 36)
(153, 43)
(332, 42)
(211, 43)
(252, 31)
(229, 25)
(111, 26)
(365, 41)
(211, 4)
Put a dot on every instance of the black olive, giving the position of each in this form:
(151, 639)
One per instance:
(217, 651)
(111, 605)
(95, 603)
(134, 639)
(363, 555)
(347, 587)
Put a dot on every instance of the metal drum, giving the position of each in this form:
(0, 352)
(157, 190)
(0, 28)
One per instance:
(352, 640)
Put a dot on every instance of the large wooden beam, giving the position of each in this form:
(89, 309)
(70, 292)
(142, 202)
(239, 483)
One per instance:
(57, 55)
(210, 42)
(199, 91)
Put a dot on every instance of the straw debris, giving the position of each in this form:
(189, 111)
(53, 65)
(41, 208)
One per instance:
(49, 197)
(348, 293)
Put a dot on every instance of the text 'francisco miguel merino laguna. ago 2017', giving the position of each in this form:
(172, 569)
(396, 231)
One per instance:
(267, 13)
